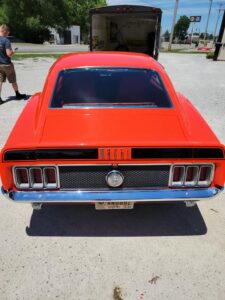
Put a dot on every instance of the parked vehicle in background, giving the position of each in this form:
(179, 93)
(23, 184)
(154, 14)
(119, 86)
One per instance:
(129, 28)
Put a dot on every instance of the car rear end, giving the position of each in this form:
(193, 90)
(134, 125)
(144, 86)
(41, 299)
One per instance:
(113, 177)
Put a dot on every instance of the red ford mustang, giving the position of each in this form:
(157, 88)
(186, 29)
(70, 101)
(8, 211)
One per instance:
(109, 129)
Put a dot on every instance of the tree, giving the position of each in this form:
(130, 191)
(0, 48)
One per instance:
(181, 27)
(166, 36)
(210, 37)
(79, 13)
(30, 19)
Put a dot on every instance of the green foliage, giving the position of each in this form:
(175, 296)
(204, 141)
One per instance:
(79, 13)
(30, 19)
(210, 55)
(210, 37)
(166, 36)
(181, 27)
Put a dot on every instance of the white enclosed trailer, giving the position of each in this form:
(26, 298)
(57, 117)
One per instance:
(129, 28)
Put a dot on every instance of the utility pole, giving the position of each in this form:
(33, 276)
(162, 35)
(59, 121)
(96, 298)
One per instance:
(173, 24)
(219, 43)
(219, 10)
(192, 31)
(207, 23)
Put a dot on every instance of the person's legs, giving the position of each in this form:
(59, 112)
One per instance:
(0, 92)
(11, 76)
(2, 79)
(18, 95)
(15, 86)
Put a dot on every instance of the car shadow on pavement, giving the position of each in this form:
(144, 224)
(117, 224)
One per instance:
(164, 219)
(13, 98)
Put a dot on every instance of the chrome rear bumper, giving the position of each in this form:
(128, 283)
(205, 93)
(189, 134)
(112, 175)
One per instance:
(104, 196)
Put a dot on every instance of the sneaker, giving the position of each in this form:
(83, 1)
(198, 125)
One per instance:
(20, 96)
(1, 102)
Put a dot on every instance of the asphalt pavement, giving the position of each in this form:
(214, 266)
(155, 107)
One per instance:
(157, 251)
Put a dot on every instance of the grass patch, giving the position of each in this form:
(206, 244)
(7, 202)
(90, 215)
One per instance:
(171, 51)
(182, 51)
(20, 56)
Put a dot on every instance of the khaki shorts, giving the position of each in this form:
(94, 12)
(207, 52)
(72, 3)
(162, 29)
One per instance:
(7, 71)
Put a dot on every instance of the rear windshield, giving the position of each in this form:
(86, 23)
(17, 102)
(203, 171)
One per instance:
(109, 87)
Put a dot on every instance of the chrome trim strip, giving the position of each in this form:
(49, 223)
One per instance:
(104, 196)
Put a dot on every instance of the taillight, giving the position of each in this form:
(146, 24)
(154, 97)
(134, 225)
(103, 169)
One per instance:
(178, 175)
(36, 178)
(191, 175)
(21, 178)
(205, 175)
(50, 177)
(40, 177)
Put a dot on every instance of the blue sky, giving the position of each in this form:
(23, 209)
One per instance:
(186, 7)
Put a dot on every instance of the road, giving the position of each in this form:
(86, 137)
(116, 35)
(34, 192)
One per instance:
(159, 251)
(39, 48)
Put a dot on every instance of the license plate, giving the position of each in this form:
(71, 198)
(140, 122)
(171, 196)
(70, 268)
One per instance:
(114, 205)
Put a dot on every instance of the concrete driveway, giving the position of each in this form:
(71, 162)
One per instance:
(40, 48)
(160, 251)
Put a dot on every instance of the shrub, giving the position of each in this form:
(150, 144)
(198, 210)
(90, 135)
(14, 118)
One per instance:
(210, 55)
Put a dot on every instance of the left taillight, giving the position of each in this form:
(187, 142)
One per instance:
(40, 177)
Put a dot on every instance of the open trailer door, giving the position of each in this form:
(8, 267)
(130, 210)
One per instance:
(130, 28)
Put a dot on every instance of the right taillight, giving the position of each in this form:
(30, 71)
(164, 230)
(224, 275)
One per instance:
(191, 175)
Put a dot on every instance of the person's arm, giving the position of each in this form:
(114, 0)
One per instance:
(8, 49)
(9, 52)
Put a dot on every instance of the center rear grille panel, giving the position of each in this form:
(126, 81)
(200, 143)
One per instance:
(94, 177)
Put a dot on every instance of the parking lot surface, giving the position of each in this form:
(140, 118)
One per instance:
(158, 251)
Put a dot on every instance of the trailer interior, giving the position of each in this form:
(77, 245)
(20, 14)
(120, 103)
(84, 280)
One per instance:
(132, 32)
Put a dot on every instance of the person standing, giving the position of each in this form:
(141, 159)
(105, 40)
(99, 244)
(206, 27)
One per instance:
(6, 66)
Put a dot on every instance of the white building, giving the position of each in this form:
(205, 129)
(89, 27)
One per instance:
(70, 35)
